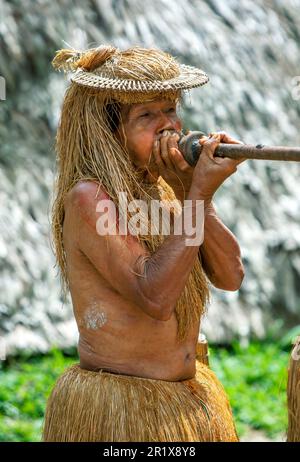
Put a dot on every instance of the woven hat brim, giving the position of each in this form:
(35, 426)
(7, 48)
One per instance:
(189, 77)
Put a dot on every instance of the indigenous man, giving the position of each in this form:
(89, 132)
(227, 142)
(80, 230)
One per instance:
(137, 298)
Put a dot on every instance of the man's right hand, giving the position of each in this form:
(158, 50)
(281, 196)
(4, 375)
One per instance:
(210, 172)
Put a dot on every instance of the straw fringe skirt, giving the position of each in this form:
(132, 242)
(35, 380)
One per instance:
(101, 406)
(293, 394)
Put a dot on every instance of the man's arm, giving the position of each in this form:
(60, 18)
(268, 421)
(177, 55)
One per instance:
(152, 282)
(220, 253)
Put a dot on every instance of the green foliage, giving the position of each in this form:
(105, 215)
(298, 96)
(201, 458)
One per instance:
(25, 385)
(253, 376)
(255, 379)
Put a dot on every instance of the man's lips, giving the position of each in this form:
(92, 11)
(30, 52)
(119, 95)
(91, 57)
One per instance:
(170, 132)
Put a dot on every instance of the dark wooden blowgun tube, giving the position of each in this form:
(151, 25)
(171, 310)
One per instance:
(191, 150)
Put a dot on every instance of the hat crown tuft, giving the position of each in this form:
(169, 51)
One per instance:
(71, 59)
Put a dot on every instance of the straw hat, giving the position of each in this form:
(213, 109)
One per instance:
(189, 77)
(103, 68)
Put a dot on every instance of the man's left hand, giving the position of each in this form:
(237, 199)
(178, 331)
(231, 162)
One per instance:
(171, 165)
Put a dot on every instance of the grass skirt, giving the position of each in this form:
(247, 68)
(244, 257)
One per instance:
(102, 406)
(293, 395)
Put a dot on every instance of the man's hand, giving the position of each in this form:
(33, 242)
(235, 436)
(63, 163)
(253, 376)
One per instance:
(171, 165)
(210, 172)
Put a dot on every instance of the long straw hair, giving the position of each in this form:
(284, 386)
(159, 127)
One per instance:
(87, 149)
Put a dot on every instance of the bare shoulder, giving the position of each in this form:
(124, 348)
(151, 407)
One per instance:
(82, 203)
(83, 198)
(85, 193)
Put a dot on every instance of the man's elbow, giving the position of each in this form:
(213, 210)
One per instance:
(164, 315)
(153, 304)
(158, 310)
(232, 283)
(161, 312)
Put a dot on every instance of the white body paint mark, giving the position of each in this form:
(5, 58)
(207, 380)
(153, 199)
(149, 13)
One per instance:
(94, 318)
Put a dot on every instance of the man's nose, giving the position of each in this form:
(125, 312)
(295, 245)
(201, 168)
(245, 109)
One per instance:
(167, 123)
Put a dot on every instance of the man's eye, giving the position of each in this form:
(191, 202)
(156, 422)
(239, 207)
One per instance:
(146, 114)
(172, 109)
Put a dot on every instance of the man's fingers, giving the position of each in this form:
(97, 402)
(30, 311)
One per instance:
(230, 164)
(239, 161)
(156, 154)
(164, 149)
(225, 138)
(177, 158)
(179, 161)
(209, 147)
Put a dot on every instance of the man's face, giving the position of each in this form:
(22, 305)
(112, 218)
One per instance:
(145, 123)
